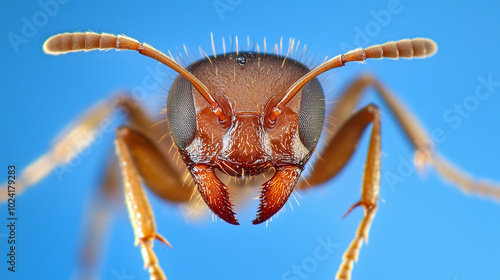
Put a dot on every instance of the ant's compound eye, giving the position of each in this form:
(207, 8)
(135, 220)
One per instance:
(181, 114)
(312, 113)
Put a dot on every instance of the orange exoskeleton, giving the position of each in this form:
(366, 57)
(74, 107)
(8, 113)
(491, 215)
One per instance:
(240, 115)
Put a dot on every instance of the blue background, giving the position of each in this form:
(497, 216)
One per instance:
(424, 229)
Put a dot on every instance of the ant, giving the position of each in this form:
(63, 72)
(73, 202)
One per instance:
(240, 115)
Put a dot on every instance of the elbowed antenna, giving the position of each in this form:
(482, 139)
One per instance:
(79, 41)
(407, 48)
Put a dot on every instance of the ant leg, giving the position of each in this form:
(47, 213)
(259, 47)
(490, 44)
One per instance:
(339, 151)
(76, 138)
(139, 158)
(417, 135)
(83, 133)
(139, 209)
(97, 220)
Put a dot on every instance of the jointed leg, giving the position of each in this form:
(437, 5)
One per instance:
(338, 152)
(151, 162)
(418, 137)
(82, 134)
(77, 138)
(138, 206)
(371, 181)
(100, 213)
(343, 140)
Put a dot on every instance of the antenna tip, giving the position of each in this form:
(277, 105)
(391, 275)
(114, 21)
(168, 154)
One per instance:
(53, 45)
(424, 47)
(431, 47)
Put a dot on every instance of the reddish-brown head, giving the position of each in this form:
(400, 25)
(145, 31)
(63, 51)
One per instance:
(243, 113)
(246, 86)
